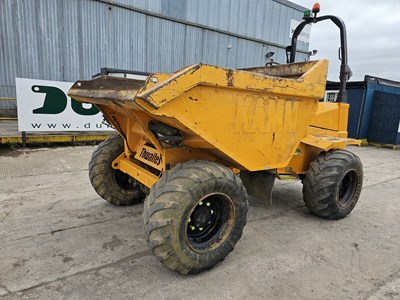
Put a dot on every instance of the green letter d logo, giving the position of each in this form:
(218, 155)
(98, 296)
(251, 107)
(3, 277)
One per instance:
(79, 109)
(55, 102)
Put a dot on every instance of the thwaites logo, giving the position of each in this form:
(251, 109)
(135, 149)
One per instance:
(151, 156)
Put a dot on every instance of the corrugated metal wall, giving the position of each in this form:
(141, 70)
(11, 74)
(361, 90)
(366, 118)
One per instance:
(66, 40)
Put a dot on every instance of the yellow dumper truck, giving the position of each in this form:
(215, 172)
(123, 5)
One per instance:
(195, 143)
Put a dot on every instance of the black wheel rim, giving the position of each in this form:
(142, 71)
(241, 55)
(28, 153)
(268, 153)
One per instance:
(208, 224)
(125, 181)
(347, 188)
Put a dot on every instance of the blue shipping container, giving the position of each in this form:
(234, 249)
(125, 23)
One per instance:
(385, 119)
(361, 95)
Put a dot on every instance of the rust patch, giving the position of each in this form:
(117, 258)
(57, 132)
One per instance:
(196, 68)
(229, 77)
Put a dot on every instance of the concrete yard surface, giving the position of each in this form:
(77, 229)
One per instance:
(60, 240)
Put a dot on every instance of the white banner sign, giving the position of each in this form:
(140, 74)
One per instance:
(44, 106)
(304, 36)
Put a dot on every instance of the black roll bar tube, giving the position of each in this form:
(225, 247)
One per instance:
(345, 71)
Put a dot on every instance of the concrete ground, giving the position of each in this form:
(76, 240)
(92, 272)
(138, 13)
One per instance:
(59, 240)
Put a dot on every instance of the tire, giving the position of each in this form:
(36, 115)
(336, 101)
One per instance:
(333, 183)
(194, 216)
(112, 185)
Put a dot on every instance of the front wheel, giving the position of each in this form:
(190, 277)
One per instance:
(194, 216)
(333, 183)
(112, 185)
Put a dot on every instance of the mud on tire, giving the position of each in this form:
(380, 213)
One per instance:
(112, 185)
(194, 216)
(333, 183)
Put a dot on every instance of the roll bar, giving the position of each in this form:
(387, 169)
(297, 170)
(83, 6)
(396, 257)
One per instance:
(345, 71)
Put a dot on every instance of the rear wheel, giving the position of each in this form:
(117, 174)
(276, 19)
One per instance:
(333, 184)
(112, 185)
(194, 216)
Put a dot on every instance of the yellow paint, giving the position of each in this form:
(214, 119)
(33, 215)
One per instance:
(379, 145)
(327, 131)
(332, 116)
(253, 119)
(134, 170)
(327, 143)
(250, 120)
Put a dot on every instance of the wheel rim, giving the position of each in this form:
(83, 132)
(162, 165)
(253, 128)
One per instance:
(210, 222)
(125, 181)
(347, 188)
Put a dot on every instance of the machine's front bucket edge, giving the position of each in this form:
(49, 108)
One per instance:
(104, 89)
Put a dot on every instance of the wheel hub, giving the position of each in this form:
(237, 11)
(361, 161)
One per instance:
(207, 220)
(202, 216)
(347, 188)
(125, 181)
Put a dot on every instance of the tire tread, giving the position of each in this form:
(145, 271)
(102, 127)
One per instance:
(320, 182)
(166, 195)
(100, 177)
